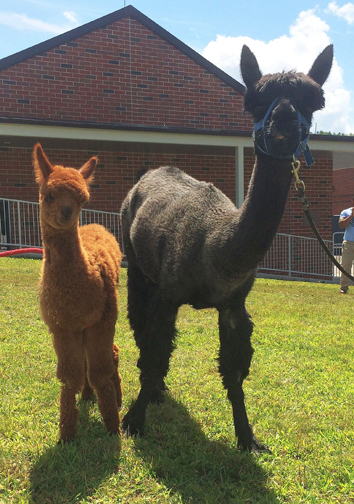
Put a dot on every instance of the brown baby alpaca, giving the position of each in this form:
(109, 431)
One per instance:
(78, 293)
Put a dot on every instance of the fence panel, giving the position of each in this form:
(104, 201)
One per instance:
(293, 257)
(19, 224)
(20, 227)
(299, 257)
(110, 221)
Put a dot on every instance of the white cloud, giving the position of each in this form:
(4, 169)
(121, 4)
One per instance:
(308, 36)
(346, 11)
(23, 22)
(71, 16)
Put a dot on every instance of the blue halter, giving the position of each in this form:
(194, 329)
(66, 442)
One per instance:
(303, 125)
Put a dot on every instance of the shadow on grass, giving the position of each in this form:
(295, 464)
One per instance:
(72, 471)
(194, 468)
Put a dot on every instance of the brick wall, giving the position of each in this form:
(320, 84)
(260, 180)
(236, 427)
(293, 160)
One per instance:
(121, 74)
(318, 182)
(118, 171)
(343, 189)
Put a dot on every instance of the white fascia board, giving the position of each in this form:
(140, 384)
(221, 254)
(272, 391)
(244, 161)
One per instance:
(110, 135)
(332, 146)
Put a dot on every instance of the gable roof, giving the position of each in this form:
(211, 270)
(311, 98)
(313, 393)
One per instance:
(128, 11)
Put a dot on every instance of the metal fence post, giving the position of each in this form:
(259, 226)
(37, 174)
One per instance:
(19, 224)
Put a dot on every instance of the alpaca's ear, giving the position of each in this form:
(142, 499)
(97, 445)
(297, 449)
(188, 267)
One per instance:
(88, 168)
(249, 67)
(41, 164)
(322, 66)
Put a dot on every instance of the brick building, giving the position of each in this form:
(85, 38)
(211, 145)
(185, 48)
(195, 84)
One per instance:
(343, 189)
(125, 89)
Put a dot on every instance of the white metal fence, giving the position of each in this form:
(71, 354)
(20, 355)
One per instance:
(20, 228)
(290, 257)
(301, 258)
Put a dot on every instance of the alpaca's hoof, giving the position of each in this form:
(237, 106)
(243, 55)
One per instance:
(63, 441)
(66, 434)
(157, 396)
(261, 448)
(255, 446)
(115, 433)
(133, 424)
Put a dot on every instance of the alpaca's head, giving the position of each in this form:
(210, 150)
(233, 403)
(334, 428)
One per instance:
(62, 191)
(293, 94)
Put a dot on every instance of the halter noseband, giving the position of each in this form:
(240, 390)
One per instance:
(259, 135)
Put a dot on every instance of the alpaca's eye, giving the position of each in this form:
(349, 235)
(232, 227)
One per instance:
(50, 198)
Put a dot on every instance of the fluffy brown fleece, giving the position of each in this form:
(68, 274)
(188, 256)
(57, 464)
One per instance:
(78, 293)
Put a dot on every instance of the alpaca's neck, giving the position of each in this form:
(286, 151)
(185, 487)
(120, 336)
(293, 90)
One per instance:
(261, 212)
(62, 246)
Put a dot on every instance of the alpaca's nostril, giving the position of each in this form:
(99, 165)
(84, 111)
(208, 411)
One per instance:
(66, 211)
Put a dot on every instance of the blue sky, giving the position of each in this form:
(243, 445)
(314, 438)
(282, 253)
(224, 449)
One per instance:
(283, 35)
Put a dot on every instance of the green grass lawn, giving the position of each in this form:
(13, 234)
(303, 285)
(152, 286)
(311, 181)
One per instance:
(299, 398)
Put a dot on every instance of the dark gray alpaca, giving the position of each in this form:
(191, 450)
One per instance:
(187, 243)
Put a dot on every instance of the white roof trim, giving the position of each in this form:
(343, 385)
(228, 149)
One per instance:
(110, 135)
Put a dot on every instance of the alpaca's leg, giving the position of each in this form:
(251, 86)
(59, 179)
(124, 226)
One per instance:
(87, 392)
(116, 379)
(70, 371)
(141, 291)
(101, 370)
(235, 357)
(156, 344)
(158, 394)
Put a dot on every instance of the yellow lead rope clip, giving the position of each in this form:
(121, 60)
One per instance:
(296, 167)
